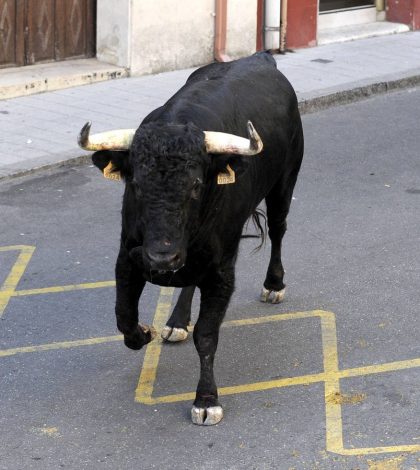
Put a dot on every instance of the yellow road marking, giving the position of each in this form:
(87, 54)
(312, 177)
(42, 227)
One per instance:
(151, 358)
(334, 426)
(288, 381)
(68, 288)
(379, 368)
(378, 450)
(9, 285)
(146, 382)
(330, 376)
(278, 317)
(59, 345)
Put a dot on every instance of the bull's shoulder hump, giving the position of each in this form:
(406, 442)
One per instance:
(265, 57)
(209, 72)
(223, 70)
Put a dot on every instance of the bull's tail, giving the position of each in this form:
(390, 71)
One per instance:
(259, 220)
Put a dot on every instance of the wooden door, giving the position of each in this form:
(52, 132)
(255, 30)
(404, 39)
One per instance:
(33, 31)
(39, 31)
(11, 33)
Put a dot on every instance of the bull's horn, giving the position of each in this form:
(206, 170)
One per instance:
(219, 142)
(119, 139)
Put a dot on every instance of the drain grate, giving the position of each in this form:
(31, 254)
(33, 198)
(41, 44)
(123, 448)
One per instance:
(322, 61)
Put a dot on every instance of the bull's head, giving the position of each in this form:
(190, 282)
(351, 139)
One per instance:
(167, 169)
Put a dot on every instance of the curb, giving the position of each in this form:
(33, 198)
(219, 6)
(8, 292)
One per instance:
(357, 93)
(308, 103)
(67, 162)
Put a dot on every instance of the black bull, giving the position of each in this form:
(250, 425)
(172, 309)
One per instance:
(179, 226)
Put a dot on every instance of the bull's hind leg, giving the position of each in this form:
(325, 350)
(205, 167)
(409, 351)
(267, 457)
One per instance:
(176, 327)
(278, 203)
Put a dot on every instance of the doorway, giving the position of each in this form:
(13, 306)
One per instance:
(37, 31)
(339, 13)
(329, 5)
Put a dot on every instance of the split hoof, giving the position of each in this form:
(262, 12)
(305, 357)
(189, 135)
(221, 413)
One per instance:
(149, 330)
(143, 334)
(206, 416)
(174, 335)
(273, 296)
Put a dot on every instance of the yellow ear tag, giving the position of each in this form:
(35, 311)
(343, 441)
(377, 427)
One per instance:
(226, 178)
(111, 175)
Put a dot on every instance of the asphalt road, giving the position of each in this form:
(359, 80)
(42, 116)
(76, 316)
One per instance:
(334, 387)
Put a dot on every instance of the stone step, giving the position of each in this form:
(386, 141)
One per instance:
(359, 31)
(23, 81)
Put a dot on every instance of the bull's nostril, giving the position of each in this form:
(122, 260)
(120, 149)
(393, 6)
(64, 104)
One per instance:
(163, 260)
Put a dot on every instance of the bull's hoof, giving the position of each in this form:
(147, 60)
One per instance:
(149, 330)
(143, 335)
(206, 416)
(174, 335)
(273, 296)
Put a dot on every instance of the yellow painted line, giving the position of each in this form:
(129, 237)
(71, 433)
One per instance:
(147, 378)
(269, 318)
(333, 420)
(290, 381)
(60, 345)
(151, 357)
(9, 285)
(376, 369)
(331, 378)
(244, 388)
(331, 375)
(67, 288)
(379, 368)
(379, 450)
(277, 317)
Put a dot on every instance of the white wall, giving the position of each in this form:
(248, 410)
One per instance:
(241, 28)
(113, 32)
(151, 36)
(169, 35)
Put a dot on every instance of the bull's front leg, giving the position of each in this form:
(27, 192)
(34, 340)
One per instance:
(215, 298)
(130, 284)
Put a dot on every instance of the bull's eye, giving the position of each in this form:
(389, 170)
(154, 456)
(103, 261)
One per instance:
(196, 188)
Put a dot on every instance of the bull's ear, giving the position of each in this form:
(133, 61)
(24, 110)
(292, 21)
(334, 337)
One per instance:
(229, 168)
(114, 165)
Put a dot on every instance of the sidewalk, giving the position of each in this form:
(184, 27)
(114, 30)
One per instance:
(41, 130)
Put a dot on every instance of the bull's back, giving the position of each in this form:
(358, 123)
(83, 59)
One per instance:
(224, 96)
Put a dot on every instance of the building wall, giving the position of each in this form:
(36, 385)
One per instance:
(151, 36)
(404, 11)
(113, 32)
(302, 17)
(168, 35)
(241, 35)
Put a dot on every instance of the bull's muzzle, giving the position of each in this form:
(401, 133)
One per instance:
(163, 260)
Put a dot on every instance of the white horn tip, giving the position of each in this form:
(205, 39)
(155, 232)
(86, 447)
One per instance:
(255, 140)
(83, 137)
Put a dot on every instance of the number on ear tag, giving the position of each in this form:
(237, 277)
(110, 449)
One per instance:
(226, 178)
(110, 174)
